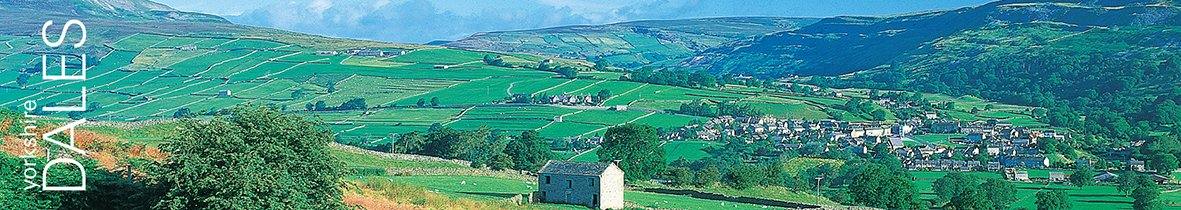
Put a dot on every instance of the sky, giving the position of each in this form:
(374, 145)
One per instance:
(420, 21)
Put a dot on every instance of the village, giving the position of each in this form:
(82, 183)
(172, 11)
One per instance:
(992, 146)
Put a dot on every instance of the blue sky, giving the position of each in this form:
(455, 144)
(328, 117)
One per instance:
(418, 21)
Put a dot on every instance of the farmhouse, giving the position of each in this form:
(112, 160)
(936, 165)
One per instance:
(595, 185)
(326, 53)
(1136, 165)
(1058, 177)
(1016, 175)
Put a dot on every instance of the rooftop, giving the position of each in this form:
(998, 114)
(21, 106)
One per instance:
(573, 168)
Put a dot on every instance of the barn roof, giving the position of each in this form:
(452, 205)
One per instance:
(573, 168)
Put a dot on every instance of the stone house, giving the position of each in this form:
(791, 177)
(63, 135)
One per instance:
(1058, 177)
(595, 185)
(1016, 175)
(1136, 165)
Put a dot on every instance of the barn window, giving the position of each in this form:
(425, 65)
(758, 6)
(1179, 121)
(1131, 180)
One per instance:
(591, 182)
(569, 183)
(546, 179)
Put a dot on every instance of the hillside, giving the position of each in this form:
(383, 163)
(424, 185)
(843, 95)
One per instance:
(146, 71)
(1114, 62)
(120, 9)
(631, 44)
(151, 68)
(842, 45)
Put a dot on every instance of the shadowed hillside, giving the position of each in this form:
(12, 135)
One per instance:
(847, 44)
(631, 44)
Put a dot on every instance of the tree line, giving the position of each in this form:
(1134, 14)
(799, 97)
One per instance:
(482, 147)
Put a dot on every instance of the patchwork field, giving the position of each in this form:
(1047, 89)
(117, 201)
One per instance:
(156, 76)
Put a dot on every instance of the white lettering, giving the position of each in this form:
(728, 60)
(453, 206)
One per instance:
(45, 176)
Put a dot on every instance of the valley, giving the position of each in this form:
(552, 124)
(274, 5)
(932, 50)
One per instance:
(733, 112)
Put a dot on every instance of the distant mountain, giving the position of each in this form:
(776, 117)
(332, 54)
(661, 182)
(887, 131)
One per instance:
(121, 9)
(438, 42)
(632, 44)
(842, 45)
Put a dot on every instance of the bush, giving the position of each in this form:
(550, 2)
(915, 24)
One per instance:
(745, 176)
(256, 158)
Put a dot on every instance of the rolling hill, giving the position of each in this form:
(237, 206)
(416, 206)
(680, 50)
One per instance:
(146, 70)
(160, 68)
(121, 9)
(842, 45)
(151, 64)
(1115, 62)
(631, 44)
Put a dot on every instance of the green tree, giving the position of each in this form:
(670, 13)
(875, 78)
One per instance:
(252, 158)
(679, 176)
(1163, 163)
(879, 115)
(22, 79)
(528, 151)
(999, 193)
(882, 187)
(1127, 181)
(567, 72)
(1052, 200)
(953, 184)
(500, 161)
(494, 60)
(1168, 112)
(12, 188)
(455, 144)
(745, 176)
(1082, 176)
(602, 65)
(708, 176)
(637, 147)
(320, 106)
(602, 96)
(409, 143)
(353, 104)
(297, 94)
(1145, 195)
(183, 112)
(971, 198)
(434, 101)
(421, 102)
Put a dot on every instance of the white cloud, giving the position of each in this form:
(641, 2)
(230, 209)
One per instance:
(318, 6)
(380, 3)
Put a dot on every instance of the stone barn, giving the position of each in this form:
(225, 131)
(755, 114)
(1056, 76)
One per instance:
(595, 185)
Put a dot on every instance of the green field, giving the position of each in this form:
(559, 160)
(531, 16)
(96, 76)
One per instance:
(492, 189)
(689, 150)
(1099, 197)
(150, 77)
(164, 79)
(673, 150)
